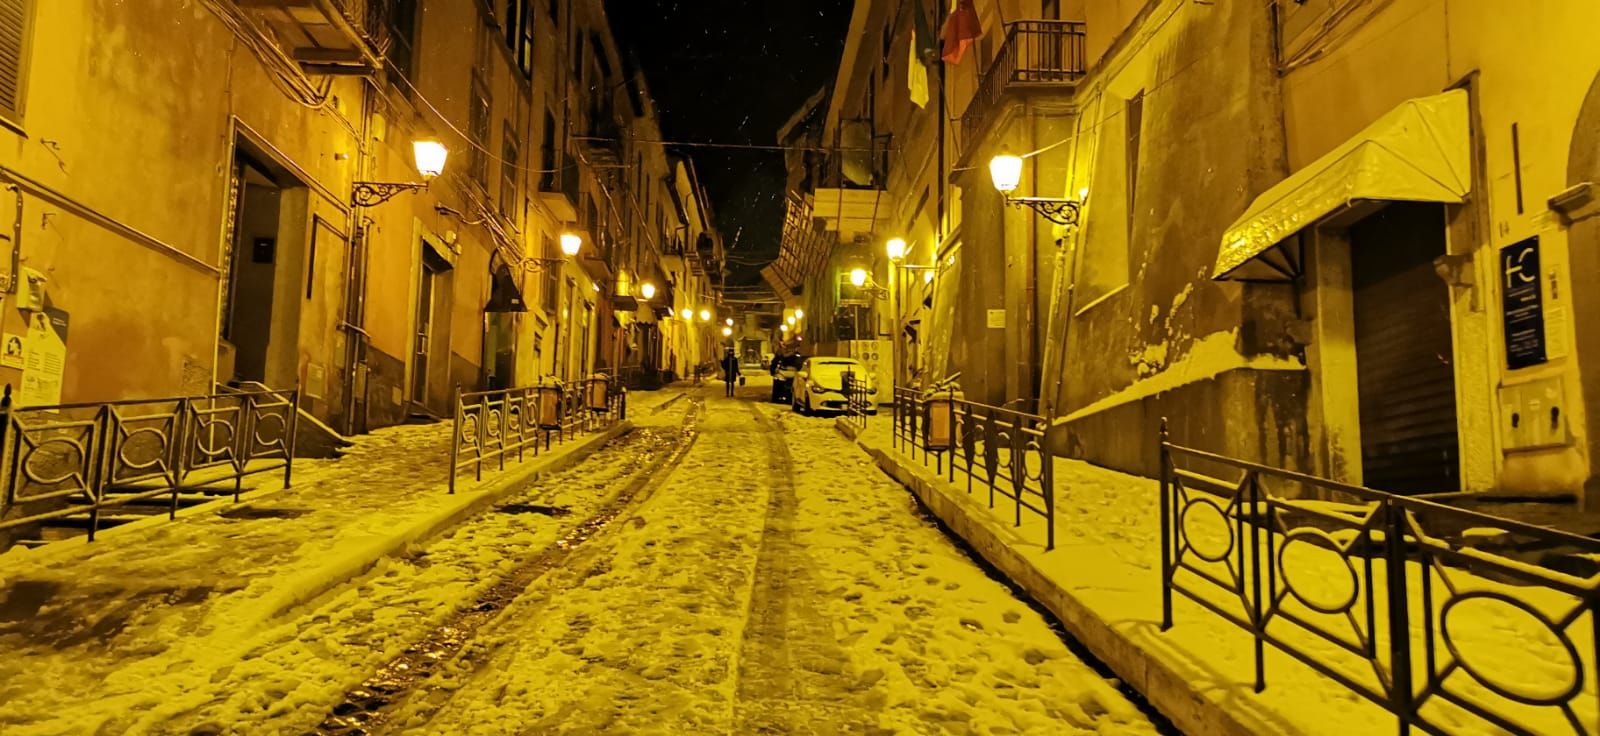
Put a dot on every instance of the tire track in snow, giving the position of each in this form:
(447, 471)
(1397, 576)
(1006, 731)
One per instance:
(792, 676)
(367, 707)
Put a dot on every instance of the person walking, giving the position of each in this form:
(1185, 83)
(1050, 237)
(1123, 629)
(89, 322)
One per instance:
(730, 369)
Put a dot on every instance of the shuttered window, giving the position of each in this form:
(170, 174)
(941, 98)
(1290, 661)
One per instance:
(14, 17)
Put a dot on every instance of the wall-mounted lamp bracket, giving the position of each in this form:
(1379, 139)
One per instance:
(1059, 211)
(374, 193)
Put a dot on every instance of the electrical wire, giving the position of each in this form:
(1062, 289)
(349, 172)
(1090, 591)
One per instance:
(282, 70)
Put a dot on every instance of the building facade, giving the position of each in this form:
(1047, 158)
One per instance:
(202, 196)
(1330, 235)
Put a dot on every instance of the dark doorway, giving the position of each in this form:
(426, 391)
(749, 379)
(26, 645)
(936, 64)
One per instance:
(433, 313)
(1404, 367)
(247, 324)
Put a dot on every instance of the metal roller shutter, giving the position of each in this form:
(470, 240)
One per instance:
(1405, 374)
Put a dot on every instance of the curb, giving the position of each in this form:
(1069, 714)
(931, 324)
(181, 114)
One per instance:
(1169, 691)
(312, 583)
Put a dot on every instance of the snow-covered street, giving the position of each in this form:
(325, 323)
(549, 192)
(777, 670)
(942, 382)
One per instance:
(727, 567)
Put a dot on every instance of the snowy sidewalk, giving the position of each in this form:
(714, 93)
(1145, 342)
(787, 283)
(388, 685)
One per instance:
(1103, 580)
(73, 610)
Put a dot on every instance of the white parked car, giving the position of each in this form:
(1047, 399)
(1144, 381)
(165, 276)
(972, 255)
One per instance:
(819, 385)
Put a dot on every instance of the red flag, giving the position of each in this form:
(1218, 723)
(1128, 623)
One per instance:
(960, 30)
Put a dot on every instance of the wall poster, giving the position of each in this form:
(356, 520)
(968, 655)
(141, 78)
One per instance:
(45, 363)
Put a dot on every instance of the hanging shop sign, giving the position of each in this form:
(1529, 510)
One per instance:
(1522, 304)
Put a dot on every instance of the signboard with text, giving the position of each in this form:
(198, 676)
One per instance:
(1522, 304)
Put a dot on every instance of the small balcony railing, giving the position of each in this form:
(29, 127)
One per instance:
(1037, 53)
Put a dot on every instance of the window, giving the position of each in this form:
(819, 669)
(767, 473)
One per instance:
(478, 128)
(400, 19)
(1104, 267)
(14, 32)
(547, 155)
(552, 276)
(1050, 9)
(518, 23)
(510, 175)
(583, 340)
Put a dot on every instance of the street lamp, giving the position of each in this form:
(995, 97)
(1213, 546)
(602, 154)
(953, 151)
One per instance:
(430, 156)
(783, 328)
(727, 332)
(799, 314)
(705, 315)
(858, 277)
(788, 321)
(728, 321)
(571, 243)
(688, 315)
(896, 248)
(647, 290)
(1005, 171)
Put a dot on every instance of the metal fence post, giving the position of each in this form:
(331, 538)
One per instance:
(291, 435)
(1047, 483)
(244, 447)
(1399, 612)
(455, 439)
(1257, 615)
(96, 480)
(1166, 526)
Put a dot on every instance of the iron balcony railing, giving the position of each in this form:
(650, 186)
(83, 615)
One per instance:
(1449, 618)
(491, 427)
(1000, 449)
(1036, 53)
(81, 460)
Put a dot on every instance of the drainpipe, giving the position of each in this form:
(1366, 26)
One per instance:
(1061, 300)
(16, 241)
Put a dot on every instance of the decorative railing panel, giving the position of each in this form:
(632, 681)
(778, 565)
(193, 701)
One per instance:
(1000, 450)
(494, 427)
(1449, 618)
(77, 460)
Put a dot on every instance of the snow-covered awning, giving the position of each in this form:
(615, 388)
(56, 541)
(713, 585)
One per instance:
(1417, 152)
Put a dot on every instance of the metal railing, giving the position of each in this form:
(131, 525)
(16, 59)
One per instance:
(1001, 449)
(858, 400)
(80, 460)
(491, 427)
(1035, 53)
(1404, 601)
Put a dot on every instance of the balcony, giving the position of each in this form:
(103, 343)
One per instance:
(1038, 56)
(852, 195)
(558, 191)
(326, 37)
(601, 141)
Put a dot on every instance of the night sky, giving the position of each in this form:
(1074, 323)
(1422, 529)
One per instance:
(733, 71)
